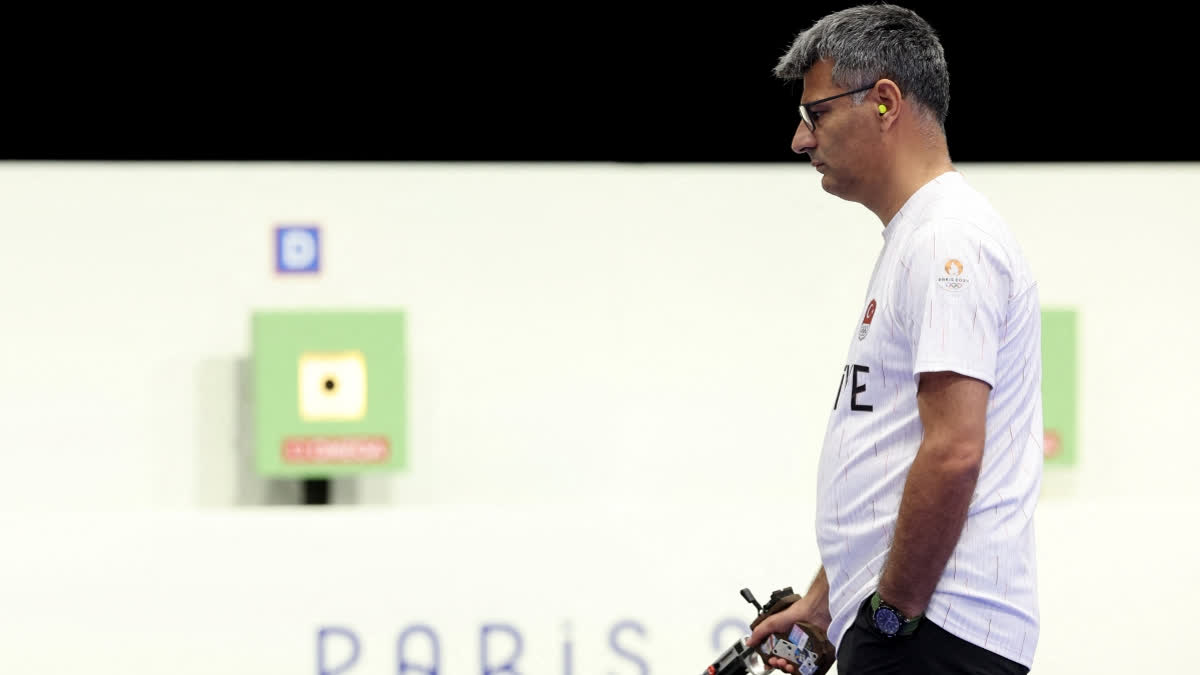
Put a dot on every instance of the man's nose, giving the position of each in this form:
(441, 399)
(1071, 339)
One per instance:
(803, 141)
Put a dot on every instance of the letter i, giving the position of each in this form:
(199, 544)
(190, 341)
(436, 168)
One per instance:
(568, 650)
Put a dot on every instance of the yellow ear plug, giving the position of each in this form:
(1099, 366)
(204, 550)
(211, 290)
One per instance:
(882, 108)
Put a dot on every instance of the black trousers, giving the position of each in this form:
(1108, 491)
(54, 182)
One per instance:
(930, 650)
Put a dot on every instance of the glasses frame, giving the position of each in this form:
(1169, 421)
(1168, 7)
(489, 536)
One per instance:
(806, 114)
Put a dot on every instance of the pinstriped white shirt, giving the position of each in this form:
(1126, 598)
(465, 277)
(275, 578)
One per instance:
(952, 291)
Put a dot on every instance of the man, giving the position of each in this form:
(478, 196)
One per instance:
(932, 459)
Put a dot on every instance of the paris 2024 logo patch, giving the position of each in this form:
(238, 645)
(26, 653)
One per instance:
(955, 278)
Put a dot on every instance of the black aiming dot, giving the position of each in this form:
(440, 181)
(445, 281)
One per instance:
(329, 384)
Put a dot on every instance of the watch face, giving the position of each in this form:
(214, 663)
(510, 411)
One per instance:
(886, 621)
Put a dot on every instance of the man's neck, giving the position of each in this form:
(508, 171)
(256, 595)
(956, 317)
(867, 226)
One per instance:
(906, 179)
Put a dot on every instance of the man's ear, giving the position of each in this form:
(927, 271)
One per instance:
(889, 102)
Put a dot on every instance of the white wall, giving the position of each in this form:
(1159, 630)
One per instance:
(581, 335)
(575, 330)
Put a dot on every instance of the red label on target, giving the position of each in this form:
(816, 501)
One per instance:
(335, 450)
(866, 324)
(1051, 443)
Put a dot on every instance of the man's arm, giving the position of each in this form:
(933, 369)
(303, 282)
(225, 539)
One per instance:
(940, 483)
(818, 598)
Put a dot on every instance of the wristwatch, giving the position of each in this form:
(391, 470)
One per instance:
(890, 621)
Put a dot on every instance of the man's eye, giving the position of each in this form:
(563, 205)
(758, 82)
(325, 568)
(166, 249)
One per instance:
(815, 114)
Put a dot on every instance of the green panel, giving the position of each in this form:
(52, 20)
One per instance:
(1060, 386)
(329, 392)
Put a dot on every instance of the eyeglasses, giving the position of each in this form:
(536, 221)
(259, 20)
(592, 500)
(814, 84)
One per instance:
(806, 115)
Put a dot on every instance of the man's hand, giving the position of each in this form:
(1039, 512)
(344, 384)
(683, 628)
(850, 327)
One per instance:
(814, 619)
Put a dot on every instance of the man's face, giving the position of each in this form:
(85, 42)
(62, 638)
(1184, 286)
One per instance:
(843, 145)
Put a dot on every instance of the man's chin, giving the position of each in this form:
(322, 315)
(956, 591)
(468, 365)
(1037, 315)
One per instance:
(829, 185)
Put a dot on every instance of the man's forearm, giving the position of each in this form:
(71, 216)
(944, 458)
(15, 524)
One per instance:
(818, 597)
(933, 510)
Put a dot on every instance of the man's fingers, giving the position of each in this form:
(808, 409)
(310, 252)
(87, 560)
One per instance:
(780, 664)
(761, 632)
(775, 624)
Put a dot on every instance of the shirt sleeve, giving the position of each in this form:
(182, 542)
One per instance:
(953, 298)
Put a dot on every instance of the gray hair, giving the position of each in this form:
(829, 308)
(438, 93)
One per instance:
(871, 42)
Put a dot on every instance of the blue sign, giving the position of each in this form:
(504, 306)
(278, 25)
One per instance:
(297, 249)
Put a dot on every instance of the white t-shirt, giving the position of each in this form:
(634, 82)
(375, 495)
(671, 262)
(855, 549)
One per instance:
(951, 291)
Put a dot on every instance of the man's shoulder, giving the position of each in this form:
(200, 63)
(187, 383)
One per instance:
(963, 243)
(965, 223)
